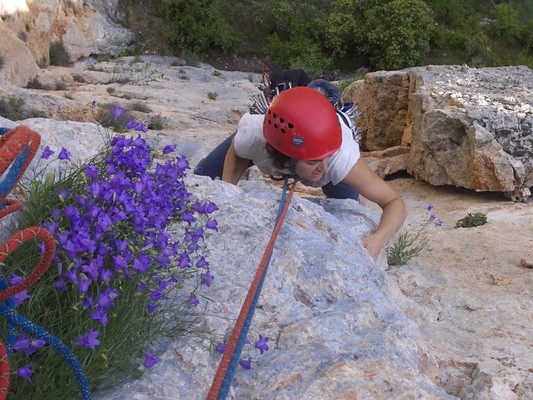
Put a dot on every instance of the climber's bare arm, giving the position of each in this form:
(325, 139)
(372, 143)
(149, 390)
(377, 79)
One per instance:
(234, 166)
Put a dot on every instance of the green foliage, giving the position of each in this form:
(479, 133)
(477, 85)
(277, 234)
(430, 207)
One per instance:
(157, 122)
(35, 83)
(103, 57)
(141, 107)
(408, 244)
(60, 86)
(212, 95)
(11, 107)
(505, 22)
(299, 52)
(199, 25)
(58, 54)
(106, 118)
(320, 35)
(453, 13)
(398, 33)
(182, 74)
(360, 74)
(189, 58)
(411, 241)
(78, 78)
(472, 220)
(295, 34)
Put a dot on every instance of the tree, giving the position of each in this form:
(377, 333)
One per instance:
(505, 22)
(397, 33)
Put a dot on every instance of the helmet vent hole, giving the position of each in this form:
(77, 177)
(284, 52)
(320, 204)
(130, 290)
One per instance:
(275, 126)
(283, 131)
(281, 120)
(291, 126)
(274, 116)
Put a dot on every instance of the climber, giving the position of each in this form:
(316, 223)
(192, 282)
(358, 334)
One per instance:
(301, 135)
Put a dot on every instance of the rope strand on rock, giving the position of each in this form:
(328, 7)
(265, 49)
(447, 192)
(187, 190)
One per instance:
(230, 359)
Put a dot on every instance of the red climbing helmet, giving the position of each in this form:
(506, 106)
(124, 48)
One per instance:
(301, 123)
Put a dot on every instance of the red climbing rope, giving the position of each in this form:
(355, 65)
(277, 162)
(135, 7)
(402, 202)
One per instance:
(12, 206)
(14, 242)
(12, 144)
(247, 306)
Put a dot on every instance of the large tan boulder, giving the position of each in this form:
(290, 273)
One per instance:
(17, 64)
(472, 128)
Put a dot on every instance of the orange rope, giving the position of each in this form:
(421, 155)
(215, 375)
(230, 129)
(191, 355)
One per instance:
(239, 324)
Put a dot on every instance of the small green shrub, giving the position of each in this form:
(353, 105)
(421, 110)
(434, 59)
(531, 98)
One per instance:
(111, 90)
(104, 57)
(58, 54)
(359, 74)
(412, 240)
(212, 95)
(35, 83)
(1, 62)
(11, 107)
(217, 73)
(472, 220)
(157, 123)
(176, 62)
(298, 53)
(141, 107)
(69, 96)
(114, 117)
(79, 78)
(190, 58)
(136, 59)
(60, 86)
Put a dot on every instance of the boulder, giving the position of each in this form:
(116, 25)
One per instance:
(472, 128)
(17, 64)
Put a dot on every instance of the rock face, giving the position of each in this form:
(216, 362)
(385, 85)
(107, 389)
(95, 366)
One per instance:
(471, 128)
(329, 311)
(29, 29)
(339, 326)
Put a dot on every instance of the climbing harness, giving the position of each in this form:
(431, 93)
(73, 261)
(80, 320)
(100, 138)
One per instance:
(17, 149)
(226, 369)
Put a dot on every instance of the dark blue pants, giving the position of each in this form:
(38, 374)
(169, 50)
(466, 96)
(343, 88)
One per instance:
(213, 165)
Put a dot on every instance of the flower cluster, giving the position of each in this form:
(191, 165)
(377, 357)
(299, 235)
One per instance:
(118, 228)
(129, 235)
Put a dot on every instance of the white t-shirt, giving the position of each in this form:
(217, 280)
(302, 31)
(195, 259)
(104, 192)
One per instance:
(251, 144)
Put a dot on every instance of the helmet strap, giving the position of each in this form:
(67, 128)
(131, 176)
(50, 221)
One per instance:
(292, 165)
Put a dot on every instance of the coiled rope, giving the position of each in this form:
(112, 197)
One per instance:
(230, 359)
(17, 149)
